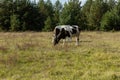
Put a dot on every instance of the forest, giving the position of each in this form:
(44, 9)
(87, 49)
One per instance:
(27, 15)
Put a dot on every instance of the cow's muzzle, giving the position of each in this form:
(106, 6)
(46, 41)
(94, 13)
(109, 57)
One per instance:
(55, 41)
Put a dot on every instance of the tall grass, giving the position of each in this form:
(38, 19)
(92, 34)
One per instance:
(32, 56)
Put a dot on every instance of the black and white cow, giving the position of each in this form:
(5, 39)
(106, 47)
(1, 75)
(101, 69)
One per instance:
(66, 31)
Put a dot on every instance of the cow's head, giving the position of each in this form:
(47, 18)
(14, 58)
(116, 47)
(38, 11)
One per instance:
(55, 41)
(59, 34)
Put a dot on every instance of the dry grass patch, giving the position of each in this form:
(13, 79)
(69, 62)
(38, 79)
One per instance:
(32, 56)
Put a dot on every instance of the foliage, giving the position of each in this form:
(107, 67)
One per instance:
(94, 10)
(57, 12)
(71, 13)
(48, 24)
(111, 20)
(15, 23)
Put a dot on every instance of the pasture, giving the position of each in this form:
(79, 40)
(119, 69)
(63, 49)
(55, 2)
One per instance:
(31, 56)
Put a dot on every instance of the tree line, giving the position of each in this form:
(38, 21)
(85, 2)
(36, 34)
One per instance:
(27, 15)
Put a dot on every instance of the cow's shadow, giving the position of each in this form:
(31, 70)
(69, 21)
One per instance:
(85, 41)
(81, 41)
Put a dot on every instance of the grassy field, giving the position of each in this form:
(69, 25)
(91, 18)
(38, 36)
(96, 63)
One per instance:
(31, 56)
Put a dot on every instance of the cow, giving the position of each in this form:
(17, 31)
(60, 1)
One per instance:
(66, 31)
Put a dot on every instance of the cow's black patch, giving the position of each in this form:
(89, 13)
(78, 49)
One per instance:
(67, 33)
(74, 31)
(57, 31)
(62, 34)
(59, 34)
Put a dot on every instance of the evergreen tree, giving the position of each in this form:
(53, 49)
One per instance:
(15, 23)
(48, 24)
(50, 16)
(5, 12)
(45, 10)
(85, 14)
(111, 4)
(71, 13)
(92, 13)
(86, 7)
(27, 14)
(57, 12)
(95, 15)
(49, 7)
(111, 19)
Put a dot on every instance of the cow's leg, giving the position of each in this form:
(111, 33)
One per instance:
(77, 40)
(64, 41)
(53, 38)
(69, 39)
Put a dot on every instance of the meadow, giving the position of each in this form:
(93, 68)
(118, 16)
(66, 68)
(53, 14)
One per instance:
(32, 56)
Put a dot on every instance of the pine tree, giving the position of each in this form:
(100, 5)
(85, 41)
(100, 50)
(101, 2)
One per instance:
(48, 24)
(15, 23)
(111, 4)
(6, 10)
(57, 12)
(96, 11)
(85, 14)
(71, 13)
(45, 10)
(111, 19)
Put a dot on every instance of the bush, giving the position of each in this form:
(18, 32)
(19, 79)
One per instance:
(48, 24)
(110, 21)
(15, 23)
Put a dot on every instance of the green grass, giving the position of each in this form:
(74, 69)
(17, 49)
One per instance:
(31, 56)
